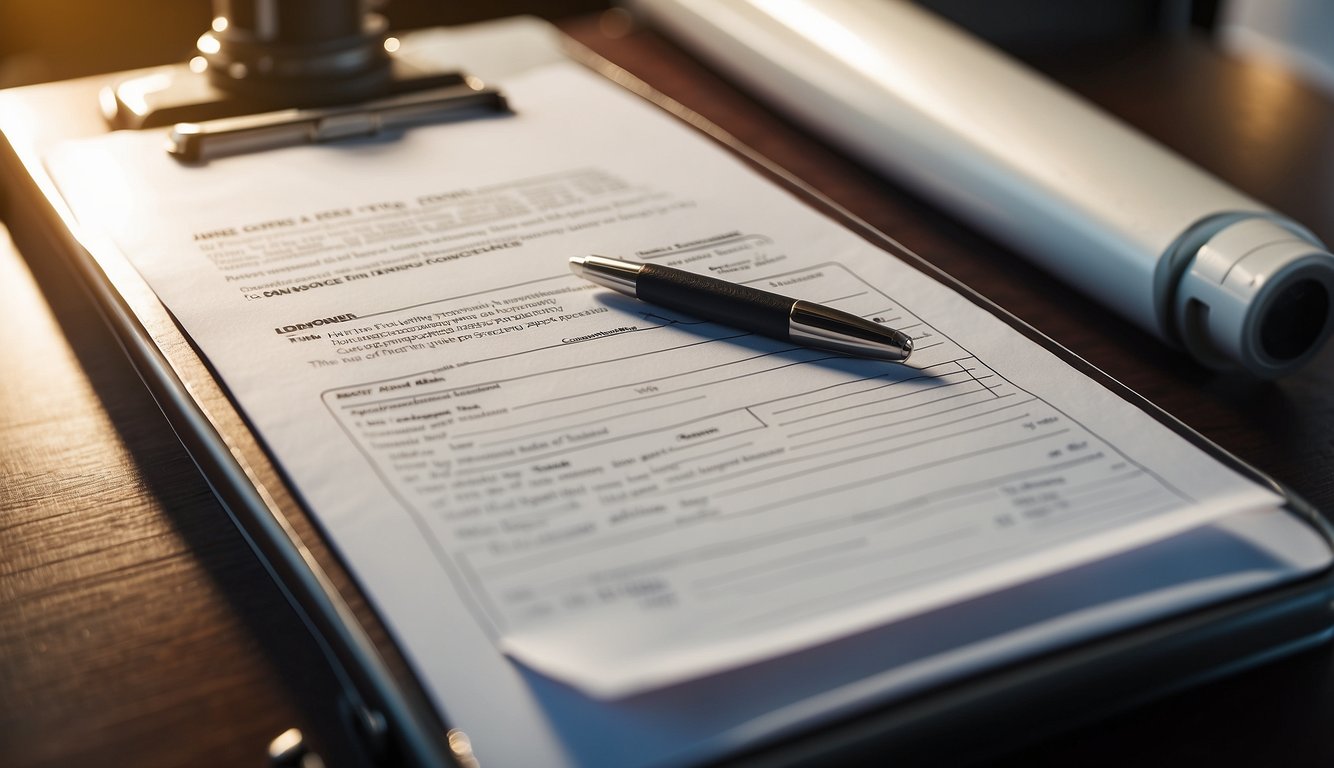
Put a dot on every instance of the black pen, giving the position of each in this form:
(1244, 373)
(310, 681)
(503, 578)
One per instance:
(769, 314)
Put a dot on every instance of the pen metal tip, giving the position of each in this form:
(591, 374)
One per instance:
(828, 328)
(615, 274)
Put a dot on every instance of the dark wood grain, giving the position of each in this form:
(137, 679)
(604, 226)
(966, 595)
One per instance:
(135, 625)
(136, 628)
(237, 665)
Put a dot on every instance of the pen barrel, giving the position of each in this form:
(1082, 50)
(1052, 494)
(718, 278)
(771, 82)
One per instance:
(709, 298)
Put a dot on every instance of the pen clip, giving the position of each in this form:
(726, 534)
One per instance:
(202, 141)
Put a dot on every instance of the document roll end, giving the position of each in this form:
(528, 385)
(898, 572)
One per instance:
(1257, 295)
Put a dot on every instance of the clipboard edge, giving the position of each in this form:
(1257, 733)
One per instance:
(1305, 604)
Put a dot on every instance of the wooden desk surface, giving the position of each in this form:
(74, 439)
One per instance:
(136, 628)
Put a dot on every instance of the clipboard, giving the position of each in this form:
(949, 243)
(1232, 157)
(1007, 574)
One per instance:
(386, 705)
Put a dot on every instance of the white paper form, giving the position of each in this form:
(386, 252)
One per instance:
(619, 496)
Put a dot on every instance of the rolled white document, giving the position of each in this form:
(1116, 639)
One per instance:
(1122, 218)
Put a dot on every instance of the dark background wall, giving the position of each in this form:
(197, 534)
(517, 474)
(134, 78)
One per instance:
(44, 40)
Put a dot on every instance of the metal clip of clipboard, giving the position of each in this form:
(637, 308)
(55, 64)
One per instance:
(202, 141)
